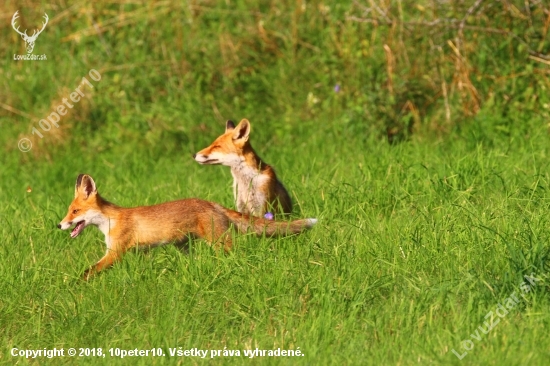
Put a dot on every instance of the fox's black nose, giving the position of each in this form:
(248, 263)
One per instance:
(59, 226)
(194, 156)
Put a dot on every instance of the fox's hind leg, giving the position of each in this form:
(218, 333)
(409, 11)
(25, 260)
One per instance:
(183, 244)
(219, 236)
(225, 240)
(216, 232)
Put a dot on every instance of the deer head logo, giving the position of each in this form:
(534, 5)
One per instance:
(29, 40)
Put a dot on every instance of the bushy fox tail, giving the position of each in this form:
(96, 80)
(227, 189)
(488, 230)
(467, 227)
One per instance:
(245, 223)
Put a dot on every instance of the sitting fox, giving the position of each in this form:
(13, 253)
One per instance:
(256, 189)
(169, 222)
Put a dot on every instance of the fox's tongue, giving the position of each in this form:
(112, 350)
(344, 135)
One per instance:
(77, 229)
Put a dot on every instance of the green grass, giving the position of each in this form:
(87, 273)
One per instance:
(416, 242)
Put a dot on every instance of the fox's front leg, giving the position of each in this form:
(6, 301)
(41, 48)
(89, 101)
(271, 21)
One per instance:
(107, 261)
(241, 202)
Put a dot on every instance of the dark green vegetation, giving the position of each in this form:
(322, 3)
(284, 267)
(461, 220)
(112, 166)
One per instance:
(418, 239)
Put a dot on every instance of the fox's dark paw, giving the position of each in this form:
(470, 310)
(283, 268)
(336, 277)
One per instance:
(87, 275)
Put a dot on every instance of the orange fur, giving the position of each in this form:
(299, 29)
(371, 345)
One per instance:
(256, 188)
(169, 222)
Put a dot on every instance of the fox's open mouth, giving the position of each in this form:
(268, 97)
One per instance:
(210, 161)
(77, 229)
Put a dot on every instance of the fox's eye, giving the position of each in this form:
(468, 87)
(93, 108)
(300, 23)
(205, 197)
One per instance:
(75, 212)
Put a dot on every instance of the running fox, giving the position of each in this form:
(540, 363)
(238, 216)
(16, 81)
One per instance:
(256, 189)
(148, 226)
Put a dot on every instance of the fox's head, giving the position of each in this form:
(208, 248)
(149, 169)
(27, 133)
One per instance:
(228, 148)
(85, 209)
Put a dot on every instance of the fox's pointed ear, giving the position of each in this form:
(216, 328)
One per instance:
(77, 185)
(229, 125)
(85, 186)
(242, 130)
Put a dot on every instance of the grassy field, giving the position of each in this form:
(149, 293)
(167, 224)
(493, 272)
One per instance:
(428, 172)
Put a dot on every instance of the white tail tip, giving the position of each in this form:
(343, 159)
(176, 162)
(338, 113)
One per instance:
(311, 222)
